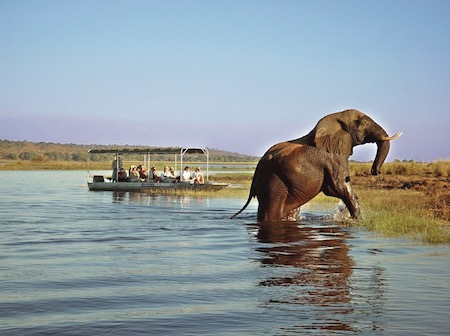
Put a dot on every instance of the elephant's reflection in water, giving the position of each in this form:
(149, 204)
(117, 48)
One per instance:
(318, 265)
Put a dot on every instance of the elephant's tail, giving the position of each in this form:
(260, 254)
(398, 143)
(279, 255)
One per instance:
(252, 193)
(243, 208)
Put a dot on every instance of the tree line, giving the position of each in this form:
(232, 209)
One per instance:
(48, 151)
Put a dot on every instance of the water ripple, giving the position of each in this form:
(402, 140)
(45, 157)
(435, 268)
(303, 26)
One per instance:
(73, 262)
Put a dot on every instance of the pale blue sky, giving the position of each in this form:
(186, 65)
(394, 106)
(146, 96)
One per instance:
(234, 75)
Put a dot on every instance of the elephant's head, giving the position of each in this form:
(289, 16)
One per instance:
(340, 132)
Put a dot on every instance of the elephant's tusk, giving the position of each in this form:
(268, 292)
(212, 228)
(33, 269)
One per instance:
(395, 136)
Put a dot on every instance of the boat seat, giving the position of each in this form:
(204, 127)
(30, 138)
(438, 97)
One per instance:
(98, 178)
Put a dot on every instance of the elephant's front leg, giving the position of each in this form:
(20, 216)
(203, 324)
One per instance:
(342, 188)
(351, 200)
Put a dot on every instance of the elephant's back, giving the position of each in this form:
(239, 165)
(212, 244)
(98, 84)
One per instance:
(284, 151)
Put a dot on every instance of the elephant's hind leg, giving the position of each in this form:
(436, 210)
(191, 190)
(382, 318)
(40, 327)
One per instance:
(271, 209)
(272, 200)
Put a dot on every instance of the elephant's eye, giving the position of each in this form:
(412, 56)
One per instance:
(347, 179)
(363, 123)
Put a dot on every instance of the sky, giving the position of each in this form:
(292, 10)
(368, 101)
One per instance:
(236, 75)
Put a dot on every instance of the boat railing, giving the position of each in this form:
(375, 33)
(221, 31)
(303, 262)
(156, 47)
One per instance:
(178, 153)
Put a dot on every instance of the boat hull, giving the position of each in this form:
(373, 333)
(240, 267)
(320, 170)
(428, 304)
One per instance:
(155, 187)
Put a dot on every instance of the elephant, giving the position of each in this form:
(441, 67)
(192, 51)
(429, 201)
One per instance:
(291, 173)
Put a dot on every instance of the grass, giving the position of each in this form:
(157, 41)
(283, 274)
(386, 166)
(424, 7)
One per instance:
(402, 213)
(439, 168)
(49, 165)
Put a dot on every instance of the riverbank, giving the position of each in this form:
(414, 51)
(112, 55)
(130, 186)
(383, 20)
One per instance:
(415, 206)
(434, 191)
(393, 209)
(412, 206)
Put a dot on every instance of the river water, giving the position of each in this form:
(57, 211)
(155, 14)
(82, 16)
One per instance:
(75, 262)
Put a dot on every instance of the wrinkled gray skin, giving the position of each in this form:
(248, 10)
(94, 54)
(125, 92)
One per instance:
(341, 131)
(292, 173)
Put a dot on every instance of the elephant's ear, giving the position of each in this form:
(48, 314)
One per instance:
(334, 138)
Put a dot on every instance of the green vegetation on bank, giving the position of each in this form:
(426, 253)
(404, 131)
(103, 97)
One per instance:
(401, 213)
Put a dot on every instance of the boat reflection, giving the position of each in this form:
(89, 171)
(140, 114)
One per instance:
(146, 199)
(118, 196)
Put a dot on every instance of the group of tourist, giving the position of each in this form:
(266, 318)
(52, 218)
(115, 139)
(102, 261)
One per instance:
(135, 174)
(139, 173)
(196, 177)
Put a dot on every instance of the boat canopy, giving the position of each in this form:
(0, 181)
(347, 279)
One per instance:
(151, 150)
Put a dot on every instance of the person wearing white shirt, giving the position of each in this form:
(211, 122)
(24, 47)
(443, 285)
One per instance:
(186, 176)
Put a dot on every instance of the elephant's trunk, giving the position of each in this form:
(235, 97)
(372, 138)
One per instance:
(379, 135)
(383, 143)
(382, 152)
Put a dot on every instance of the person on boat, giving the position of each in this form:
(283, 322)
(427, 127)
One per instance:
(198, 176)
(142, 172)
(116, 165)
(122, 175)
(186, 176)
(167, 175)
(154, 175)
(133, 175)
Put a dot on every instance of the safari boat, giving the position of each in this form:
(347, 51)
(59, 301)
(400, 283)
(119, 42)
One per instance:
(97, 182)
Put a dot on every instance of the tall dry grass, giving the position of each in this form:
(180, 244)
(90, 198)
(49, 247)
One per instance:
(439, 168)
(402, 213)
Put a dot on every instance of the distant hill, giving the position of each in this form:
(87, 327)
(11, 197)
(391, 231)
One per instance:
(44, 151)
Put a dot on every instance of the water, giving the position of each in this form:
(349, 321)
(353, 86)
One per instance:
(75, 262)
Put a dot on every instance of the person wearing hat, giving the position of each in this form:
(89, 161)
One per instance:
(154, 175)
(122, 175)
(116, 165)
(133, 175)
(142, 172)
